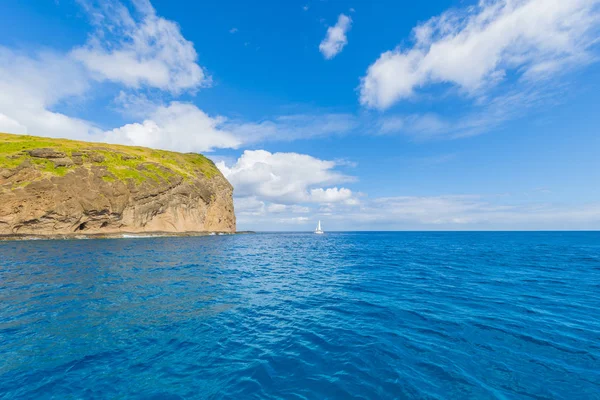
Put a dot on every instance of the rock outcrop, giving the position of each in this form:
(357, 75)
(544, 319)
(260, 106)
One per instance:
(53, 187)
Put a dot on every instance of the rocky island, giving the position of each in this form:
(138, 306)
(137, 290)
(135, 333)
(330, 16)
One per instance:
(63, 188)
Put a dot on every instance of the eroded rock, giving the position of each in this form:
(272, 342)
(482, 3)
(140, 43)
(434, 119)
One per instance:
(89, 199)
(46, 153)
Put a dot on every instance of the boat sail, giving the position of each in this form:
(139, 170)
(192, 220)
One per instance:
(319, 230)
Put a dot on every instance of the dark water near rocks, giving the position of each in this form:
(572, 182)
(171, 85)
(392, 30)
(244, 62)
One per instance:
(302, 316)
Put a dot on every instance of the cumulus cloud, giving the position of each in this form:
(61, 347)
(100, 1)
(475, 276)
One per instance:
(285, 190)
(274, 190)
(477, 47)
(285, 178)
(139, 49)
(48, 76)
(184, 127)
(249, 206)
(7, 124)
(336, 39)
(178, 126)
(333, 195)
(31, 85)
(44, 80)
(133, 50)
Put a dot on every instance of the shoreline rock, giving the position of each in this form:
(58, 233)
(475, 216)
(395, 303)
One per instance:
(122, 235)
(56, 188)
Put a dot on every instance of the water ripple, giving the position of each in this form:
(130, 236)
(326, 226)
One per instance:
(302, 316)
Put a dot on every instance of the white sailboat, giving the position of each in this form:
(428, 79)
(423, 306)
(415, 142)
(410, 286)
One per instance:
(319, 230)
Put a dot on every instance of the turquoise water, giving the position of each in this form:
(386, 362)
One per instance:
(303, 316)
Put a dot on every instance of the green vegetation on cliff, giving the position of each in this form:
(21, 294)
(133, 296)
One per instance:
(57, 157)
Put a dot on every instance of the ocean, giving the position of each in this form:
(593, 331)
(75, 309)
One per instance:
(381, 315)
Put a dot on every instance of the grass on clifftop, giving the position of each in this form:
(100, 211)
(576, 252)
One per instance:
(123, 162)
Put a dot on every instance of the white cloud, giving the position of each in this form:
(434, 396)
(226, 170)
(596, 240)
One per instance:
(30, 85)
(275, 191)
(48, 81)
(233, 30)
(333, 195)
(136, 105)
(296, 209)
(477, 47)
(145, 50)
(184, 127)
(179, 126)
(444, 212)
(482, 117)
(427, 210)
(42, 81)
(7, 124)
(464, 212)
(422, 125)
(45, 80)
(271, 189)
(284, 178)
(276, 208)
(138, 50)
(294, 127)
(249, 206)
(294, 220)
(336, 39)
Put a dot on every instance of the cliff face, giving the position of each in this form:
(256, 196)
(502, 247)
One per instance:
(58, 187)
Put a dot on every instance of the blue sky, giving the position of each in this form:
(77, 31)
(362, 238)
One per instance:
(441, 115)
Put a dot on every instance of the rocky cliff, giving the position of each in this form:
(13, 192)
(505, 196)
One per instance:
(58, 187)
